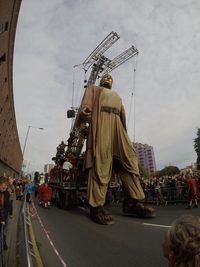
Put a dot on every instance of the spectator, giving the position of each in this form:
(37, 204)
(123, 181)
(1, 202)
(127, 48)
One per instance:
(4, 208)
(19, 190)
(11, 190)
(29, 190)
(192, 191)
(45, 193)
(36, 182)
(181, 245)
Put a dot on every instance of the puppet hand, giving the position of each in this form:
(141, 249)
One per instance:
(86, 113)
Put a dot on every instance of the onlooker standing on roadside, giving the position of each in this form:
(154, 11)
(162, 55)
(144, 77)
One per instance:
(19, 190)
(28, 191)
(45, 194)
(11, 190)
(4, 207)
(181, 245)
(192, 191)
(36, 182)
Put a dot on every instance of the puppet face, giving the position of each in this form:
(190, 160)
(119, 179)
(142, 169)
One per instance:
(106, 81)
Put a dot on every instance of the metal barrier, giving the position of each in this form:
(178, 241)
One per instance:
(32, 254)
(167, 195)
(157, 195)
(3, 261)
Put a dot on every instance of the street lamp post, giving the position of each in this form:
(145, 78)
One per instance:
(29, 127)
(25, 142)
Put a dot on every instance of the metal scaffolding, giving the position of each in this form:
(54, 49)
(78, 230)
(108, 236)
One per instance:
(99, 65)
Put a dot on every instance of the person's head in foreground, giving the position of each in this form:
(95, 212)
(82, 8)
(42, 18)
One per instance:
(181, 245)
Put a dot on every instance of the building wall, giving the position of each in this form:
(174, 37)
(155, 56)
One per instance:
(146, 156)
(48, 167)
(10, 150)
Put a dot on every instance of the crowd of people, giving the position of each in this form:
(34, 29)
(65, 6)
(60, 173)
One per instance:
(7, 194)
(181, 243)
(168, 189)
(173, 189)
(11, 189)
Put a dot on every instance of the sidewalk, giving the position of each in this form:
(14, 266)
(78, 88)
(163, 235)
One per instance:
(12, 234)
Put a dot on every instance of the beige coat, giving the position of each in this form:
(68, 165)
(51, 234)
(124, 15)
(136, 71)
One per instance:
(108, 137)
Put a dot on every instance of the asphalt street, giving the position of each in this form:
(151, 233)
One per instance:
(82, 243)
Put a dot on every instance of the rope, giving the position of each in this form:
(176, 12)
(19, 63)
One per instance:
(72, 120)
(73, 90)
(132, 102)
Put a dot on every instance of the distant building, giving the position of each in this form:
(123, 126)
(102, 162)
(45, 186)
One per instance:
(192, 167)
(146, 157)
(48, 167)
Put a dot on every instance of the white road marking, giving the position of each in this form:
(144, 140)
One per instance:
(157, 225)
(49, 238)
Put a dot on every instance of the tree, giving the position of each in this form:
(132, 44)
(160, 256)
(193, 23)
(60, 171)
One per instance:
(169, 170)
(143, 172)
(197, 147)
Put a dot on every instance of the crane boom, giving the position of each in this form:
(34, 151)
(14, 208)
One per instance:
(100, 50)
(119, 60)
(100, 66)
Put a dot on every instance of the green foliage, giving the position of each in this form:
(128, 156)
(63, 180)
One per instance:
(169, 170)
(143, 172)
(197, 147)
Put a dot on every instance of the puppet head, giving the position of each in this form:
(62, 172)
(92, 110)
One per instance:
(106, 81)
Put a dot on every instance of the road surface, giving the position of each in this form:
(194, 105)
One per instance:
(81, 243)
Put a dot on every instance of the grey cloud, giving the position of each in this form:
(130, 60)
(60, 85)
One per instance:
(53, 37)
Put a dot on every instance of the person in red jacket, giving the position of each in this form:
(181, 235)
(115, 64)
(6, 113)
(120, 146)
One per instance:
(45, 194)
(192, 191)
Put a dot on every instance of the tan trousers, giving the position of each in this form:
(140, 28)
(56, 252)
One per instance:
(97, 193)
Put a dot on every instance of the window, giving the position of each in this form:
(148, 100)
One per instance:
(3, 27)
(3, 58)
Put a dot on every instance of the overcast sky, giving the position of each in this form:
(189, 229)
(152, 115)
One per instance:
(53, 36)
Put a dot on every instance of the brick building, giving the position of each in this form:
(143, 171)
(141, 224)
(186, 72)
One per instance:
(146, 157)
(10, 150)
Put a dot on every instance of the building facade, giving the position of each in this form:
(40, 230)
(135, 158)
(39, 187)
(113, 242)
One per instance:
(48, 167)
(10, 150)
(146, 157)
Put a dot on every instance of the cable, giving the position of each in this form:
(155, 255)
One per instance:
(132, 102)
(73, 90)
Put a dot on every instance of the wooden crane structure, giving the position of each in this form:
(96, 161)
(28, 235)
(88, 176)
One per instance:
(99, 65)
